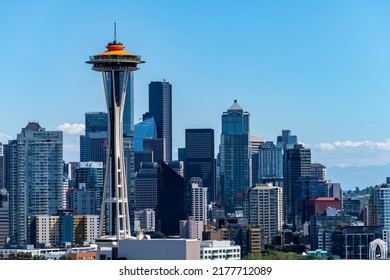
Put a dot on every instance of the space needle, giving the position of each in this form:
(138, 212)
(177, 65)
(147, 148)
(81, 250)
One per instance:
(115, 64)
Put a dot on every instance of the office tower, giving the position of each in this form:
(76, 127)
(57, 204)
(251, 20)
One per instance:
(160, 107)
(318, 170)
(4, 216)
(181, 155)
(93, 145)
(297, 163)
(146, 186)
(270, 162)
(116, 66)
(234, 153)
(199, 200)
(157, 146)
(89, 177)
(2, 167)
(142, 130)
(264, 209)
(286, 141)
(174, 200)
(255, 143)
(352, 206)
(96, 122)
(177, 166)
(312, 187)
(140, 157)
(200, 160)
(34, 177)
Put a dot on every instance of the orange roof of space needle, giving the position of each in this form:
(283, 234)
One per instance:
(115, 48)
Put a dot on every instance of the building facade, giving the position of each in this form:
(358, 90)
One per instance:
(34, 177)
(144, 129)
(297, 164)
(199, 201)
(199, 158)
(4, 216)
(265, 210)
(160, 107)
(234, 157)
(270, 162)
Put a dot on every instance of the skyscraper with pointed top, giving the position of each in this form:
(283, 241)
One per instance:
(116, 66)
(234, 157)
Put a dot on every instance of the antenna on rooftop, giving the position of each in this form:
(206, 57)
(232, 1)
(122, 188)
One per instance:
(114, 31)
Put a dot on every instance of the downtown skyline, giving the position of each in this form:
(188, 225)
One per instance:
(317, 69)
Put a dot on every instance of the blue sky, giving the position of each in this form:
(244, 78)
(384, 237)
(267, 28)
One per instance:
(318, 68)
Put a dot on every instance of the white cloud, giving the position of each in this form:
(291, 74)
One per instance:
(352, 153)
(4, 138)
(73, 129)
(325, 147)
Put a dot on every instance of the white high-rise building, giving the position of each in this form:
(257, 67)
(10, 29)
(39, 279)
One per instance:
(35, 178)
(265, 210)
(199, 200)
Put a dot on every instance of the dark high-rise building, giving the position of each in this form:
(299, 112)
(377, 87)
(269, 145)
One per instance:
(352, 206)
(181, 155)
(157, 147)
(160, 107)
(297, 162)
(199, 161)
(89, 176)
(140, 157)
(146, 186)
(173, 200)
(286, 141)
(96, 122)
(255, 143)
(93, 145)
(234, 153)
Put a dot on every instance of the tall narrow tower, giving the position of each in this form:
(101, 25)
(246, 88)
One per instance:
(116, 66)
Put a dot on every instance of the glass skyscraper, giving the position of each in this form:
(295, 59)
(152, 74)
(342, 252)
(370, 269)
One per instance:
(297, 164)
(199, 158)
(270, 161)
(144, 129)
(160, 107)
(235, 154)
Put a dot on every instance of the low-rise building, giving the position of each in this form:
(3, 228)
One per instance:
(219, 250)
